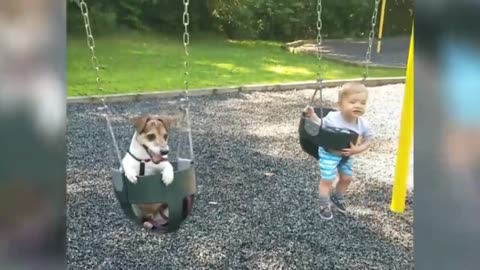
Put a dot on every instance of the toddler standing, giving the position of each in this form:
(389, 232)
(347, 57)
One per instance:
(352, 100)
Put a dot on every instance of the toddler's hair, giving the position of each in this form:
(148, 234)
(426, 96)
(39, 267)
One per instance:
(351, 88)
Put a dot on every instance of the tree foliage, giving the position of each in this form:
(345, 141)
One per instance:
(249, 19)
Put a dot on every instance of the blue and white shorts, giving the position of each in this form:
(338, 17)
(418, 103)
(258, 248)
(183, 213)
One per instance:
(329, 165)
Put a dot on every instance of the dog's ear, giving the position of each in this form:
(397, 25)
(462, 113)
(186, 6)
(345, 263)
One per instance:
(139, 123)
(170, 121)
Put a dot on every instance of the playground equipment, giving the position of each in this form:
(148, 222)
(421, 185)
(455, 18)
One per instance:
(406, 137)
(150, 189)
(380, 30)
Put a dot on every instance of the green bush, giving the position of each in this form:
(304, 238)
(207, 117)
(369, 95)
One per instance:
(287, 19)
(246, 19)
(103, 19)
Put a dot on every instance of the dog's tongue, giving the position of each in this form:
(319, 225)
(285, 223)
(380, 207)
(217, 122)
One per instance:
(158, 158)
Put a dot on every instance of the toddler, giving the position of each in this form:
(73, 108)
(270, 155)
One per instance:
(352, 100)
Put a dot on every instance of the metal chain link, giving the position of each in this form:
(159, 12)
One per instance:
(371, 36)
(94, 61)
(319, 51)
(90, 41)
(319, 57)
(319, 38)
(186, 40)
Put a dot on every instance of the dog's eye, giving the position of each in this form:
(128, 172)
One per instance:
(151, 137)
(165, 136)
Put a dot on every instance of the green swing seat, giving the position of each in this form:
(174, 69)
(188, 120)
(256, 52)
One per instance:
(178, 195)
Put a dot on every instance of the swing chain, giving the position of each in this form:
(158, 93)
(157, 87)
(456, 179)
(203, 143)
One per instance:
(186, 39)
(184, 102)
(371, 36)
(319, 52)
(94, 61)
(90, 42)
(319, 38)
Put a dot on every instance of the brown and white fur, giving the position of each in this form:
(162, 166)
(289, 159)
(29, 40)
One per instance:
(150, 142)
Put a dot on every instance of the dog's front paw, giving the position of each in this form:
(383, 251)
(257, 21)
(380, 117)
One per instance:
(148, 225)
(168, 176)
(132, 177)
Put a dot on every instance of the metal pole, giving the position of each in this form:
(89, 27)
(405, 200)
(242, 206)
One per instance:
(380, 31)
(406, 137)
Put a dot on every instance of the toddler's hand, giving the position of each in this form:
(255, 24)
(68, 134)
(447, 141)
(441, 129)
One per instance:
(309, 111)
(353, 150)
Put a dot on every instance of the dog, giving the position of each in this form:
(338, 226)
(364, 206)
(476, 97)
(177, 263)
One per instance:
(149, 146)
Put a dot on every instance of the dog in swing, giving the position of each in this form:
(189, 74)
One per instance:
(148, 155)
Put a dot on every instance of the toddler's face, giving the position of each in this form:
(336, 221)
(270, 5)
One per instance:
(354, 105)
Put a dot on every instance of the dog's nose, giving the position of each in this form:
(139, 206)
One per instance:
(164, 152)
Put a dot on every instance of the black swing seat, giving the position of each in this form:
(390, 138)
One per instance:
(312, 136)
(151, 189)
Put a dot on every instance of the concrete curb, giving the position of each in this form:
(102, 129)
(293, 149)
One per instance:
(228, 90)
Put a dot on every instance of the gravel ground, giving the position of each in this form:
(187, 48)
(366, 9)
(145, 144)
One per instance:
(250, 163)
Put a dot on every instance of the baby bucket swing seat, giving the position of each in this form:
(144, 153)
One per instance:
(150, 189)
(179, 195)
(311, 135)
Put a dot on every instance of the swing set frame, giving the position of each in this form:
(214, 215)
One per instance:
(405, 141)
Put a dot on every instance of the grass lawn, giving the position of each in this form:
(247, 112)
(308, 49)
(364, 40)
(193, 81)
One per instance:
(147, 62)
